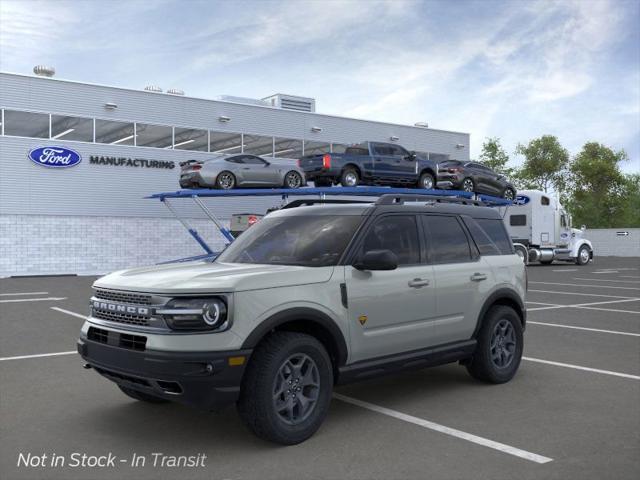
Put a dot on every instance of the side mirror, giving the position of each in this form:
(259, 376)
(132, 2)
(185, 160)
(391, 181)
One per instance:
(411, 157)
(377, 260)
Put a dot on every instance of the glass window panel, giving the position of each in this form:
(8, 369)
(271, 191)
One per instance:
(315, 148)
(158, 136)
(190, 139)
(258, 145)
(224, 142)
(288, 148)
(115, 133)
(338, 147)
(26, 124)
(72, 128)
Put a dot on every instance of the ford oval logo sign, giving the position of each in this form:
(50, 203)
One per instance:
(55, 157)
(521, 200)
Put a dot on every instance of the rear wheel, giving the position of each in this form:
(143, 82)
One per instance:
(287, 388)
(226, 180)
(349, 177)
(142, 396)
(468, 185)
(499, 349)
(426, 181)
(293, 179)
(583, 255)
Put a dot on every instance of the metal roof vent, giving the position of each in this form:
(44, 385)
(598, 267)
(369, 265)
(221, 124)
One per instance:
(175, 91)
(421, 124)
(153, 88)
(44, 71)
(292, 102)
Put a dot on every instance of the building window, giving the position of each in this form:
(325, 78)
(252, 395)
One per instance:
(71, 128)
(316, 148)
(157, 136)
(114, 133)
(191, 139)
(26, 124)
(225, 143)
(258, 145)
(287, 148)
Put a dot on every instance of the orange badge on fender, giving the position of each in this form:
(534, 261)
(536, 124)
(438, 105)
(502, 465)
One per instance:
(362, 319)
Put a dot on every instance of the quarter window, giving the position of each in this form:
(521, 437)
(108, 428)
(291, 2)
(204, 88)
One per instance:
(397, 233)
(448, 243)
(490, 236)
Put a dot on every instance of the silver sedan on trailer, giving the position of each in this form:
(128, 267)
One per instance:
(244, 170)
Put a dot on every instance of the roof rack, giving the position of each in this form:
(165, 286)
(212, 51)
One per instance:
(391, 199)
(319, 201)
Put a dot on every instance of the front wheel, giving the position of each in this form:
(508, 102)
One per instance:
(468, 185)
(499, 348)
(509, 194)
(426, 181)
(293, 180)
(583, 255)
(226, 180)
(287, 388)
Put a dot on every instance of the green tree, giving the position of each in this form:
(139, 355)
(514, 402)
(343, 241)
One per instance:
(599, 195)
(545, 164)
(494, 156)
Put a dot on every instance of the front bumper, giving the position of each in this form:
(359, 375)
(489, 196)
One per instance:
(207, 380)
(450, 179)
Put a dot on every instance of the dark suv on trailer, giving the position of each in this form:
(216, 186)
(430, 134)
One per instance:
(475, 177)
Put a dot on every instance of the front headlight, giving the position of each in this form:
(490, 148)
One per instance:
(196, 314)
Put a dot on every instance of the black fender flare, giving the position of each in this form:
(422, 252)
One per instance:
(500, 296)
(301, 314)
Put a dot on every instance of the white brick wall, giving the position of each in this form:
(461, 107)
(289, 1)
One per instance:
(41, 244)
(606, 242)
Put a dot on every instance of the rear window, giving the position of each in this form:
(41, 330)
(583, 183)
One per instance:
(490, 236)
(356, 151)
(448, 242)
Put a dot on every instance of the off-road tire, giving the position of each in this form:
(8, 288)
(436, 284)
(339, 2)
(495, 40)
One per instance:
(256, 405)
(345, 176)
(481, 366)
(142, 396)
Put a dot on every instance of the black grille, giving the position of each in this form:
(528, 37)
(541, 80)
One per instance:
(124, 297)
(98, 335)
(133, 342)
(127, 318)
(119, 376)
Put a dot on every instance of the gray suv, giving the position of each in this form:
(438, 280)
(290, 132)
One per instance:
(311, 297)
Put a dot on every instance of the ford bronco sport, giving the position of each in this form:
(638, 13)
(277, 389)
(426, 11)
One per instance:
(311, 297)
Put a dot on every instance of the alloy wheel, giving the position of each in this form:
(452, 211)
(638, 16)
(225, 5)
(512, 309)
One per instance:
(503, 344)
(293, 180)
(508, 194)
(296, 389)
(467, 185)
(351, 179)
(226, 181)
(427, 182)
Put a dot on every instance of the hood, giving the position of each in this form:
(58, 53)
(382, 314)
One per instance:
(206, 277)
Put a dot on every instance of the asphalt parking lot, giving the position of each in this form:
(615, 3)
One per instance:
(572, 411)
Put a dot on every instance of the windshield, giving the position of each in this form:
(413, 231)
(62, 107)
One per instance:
(311, 241)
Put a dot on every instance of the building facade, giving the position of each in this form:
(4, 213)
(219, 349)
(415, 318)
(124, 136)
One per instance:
(91, 218)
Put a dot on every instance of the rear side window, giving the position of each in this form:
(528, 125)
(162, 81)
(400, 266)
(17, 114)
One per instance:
(397, 233)
(490, 236)
(448, 243)
(518, 220)
(356, 151)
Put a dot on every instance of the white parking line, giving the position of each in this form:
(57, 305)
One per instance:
(22, 357)
(607, 280)
(582, 285)
(587, 305)
(540, 303)
(579, 367)
(610, 310)
(629, 276)
(566, 270)
(607, 271)
(47, 299)
(580, 294)
(23, 293)
(485, 442)
(73, 314)
(615, 332)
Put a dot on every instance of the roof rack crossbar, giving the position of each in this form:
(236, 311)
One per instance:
(319, 201)
(391, 199)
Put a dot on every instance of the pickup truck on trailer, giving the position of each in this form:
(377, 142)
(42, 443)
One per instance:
(371, 163)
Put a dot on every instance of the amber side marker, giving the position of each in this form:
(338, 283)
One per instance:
(236, 361)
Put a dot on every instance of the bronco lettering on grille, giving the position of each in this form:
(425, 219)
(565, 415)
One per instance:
(118, 308)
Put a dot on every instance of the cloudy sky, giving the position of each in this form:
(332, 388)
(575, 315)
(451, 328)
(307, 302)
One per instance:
(512, 69)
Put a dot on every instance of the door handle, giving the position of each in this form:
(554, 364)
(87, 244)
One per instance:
(478, 277)
(418, 283)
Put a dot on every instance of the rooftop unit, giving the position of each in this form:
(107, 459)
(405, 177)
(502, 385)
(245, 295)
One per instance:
(291, 102)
